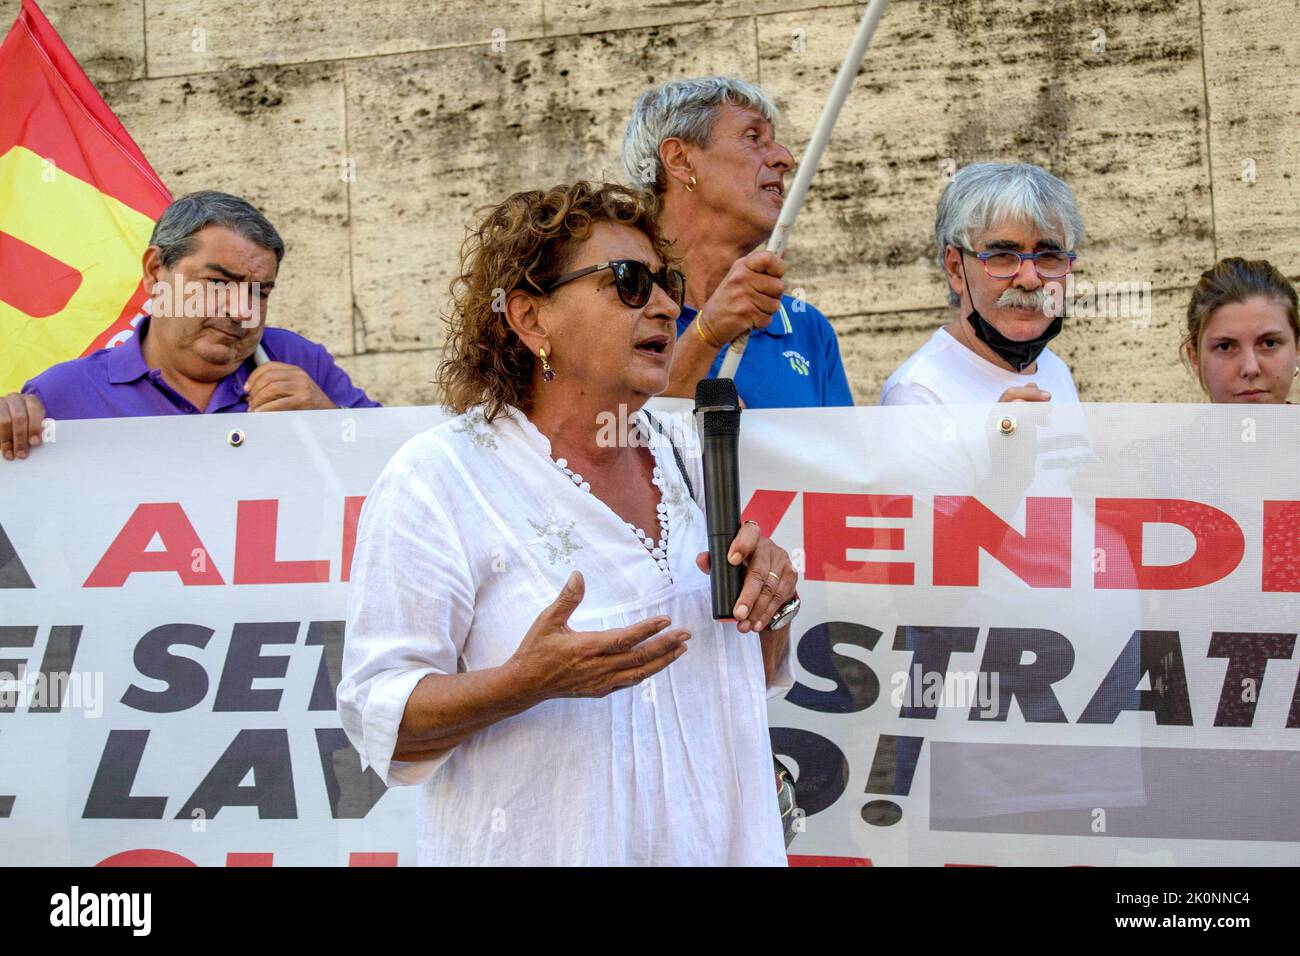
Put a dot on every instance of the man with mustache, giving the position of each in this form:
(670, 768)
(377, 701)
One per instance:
(210, 267)
(1006, 234)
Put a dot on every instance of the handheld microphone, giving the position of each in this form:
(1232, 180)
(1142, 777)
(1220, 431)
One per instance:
(717, 412)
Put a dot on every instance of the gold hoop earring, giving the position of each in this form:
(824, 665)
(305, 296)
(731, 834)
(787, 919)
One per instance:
(691, 186)
(548, 373)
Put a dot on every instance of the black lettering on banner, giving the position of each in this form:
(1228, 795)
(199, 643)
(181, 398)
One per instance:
(1158, 653)
(892, 770)
(60, 653)
(1248, 655)
(352, 791)
(12, 572)
(1030, 684)
(186, 680)
(15, 667)
(6, 805)
(856, 684)
(932, 648)
(329, 635)
(823, 770)
(110, 794)
(245, 663)
(266, 754)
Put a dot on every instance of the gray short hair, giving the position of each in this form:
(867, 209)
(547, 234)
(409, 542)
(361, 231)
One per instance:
(984, 195)
(685, 110)
(173, 234)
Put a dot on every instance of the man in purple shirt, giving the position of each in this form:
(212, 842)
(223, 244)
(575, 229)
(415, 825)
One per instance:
(211, 265)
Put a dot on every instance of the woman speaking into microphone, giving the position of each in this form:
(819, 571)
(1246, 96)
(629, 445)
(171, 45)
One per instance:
(529, 634)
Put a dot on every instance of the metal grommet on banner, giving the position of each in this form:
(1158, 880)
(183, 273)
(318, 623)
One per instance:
(235, 438)
(1007, 425)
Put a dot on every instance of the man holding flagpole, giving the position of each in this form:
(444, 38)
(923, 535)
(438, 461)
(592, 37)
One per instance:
(707, 149)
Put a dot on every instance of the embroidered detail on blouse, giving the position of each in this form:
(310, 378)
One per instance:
(675, 497)
(658, 550)
(473, 425)
(557, 539)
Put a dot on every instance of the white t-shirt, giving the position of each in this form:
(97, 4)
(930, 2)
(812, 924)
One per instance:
(943, 371)
(469, 532)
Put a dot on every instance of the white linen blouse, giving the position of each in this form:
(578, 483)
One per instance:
(469, 532)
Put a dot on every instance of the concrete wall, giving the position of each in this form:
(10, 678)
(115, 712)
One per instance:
(1175, 121)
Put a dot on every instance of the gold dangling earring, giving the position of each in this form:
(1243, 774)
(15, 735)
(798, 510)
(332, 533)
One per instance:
(548, 373)
(691, 188)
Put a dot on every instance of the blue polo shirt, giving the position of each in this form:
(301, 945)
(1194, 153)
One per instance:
(793, 363)
(118, 383)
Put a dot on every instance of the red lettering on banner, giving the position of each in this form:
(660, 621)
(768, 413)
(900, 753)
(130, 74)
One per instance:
(1219, 543)
(963, 527)
(351, 517)
(827, 538)
(240, 859)
(146, 858)
(796, 859)
(372, 859)
(768, 508)
(183, 552)
(1281, 546)
(255, 560)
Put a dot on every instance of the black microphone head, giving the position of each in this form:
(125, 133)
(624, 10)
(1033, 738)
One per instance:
(719, 402)
(712, 392)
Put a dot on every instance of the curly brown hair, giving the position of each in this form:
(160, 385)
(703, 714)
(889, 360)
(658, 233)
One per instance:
(525, 242)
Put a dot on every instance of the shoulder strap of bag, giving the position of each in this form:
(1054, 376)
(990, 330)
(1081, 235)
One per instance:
(681, 465)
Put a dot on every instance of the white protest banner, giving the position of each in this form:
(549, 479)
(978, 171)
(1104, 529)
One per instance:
(189, 574)
(1030, 634)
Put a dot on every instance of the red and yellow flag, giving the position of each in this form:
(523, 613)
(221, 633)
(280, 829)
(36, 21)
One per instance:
(78, 201)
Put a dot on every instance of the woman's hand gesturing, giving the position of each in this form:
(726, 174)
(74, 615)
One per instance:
(554, 660)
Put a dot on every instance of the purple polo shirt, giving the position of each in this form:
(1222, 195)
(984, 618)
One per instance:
(118, 383)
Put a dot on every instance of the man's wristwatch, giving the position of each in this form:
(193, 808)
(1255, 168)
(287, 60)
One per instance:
(784, 614)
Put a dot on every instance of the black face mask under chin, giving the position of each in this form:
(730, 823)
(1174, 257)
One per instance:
(1020, 355)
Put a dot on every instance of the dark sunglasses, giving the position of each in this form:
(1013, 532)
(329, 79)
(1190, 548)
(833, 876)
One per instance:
(633, 280)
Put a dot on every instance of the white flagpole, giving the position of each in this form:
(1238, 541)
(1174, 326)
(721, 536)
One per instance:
(812, 156)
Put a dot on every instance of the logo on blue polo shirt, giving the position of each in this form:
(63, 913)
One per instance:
(798, 362)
